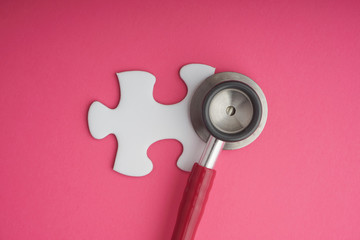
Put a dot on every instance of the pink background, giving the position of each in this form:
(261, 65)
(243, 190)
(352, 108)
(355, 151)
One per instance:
(299, 180)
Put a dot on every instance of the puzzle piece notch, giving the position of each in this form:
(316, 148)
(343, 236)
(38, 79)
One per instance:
(138, 120)
(101, 118)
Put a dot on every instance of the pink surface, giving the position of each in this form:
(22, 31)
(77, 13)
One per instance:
(299, 180)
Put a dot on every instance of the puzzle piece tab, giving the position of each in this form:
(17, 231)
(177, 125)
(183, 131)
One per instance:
(138, 120)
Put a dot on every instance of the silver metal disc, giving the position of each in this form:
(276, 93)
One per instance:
(230, 110)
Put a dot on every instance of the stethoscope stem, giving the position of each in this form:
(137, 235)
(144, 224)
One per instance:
(211, 152)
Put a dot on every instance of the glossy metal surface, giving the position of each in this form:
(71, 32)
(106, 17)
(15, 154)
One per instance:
(200, 94)
(231, 111)
(211, 152)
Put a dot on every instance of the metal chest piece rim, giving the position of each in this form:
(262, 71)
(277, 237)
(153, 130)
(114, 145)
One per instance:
(221, 91)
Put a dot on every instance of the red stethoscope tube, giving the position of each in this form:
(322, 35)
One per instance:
(197, 191)
(193, 202)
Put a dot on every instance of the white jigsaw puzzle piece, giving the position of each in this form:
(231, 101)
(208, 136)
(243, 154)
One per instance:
(138, 121)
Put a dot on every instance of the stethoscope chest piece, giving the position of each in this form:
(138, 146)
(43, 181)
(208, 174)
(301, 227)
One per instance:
(230, 107)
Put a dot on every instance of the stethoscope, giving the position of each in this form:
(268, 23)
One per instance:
(228, 111)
